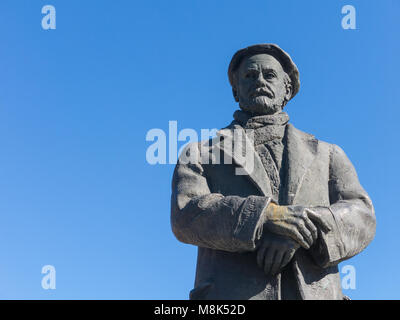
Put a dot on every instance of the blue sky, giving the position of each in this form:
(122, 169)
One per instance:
(76, 103)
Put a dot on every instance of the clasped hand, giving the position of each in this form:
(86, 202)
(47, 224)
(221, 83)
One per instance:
(286, 229)
(295, 222)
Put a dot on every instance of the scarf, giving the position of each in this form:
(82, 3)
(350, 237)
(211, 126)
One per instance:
(268, 134)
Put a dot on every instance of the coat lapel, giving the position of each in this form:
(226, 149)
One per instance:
(301, 151)
(252, 167)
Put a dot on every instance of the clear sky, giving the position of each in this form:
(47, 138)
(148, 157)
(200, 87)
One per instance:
(76, 103)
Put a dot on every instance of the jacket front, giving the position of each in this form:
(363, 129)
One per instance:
(219, 210)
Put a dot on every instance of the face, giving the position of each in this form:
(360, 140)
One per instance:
(261, 87)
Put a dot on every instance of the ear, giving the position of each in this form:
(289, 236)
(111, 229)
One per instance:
(288, 94)
(235, 94)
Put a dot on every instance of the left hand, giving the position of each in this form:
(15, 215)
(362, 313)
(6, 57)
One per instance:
(275, 252)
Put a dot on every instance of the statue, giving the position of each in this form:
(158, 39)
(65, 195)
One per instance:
(280, 229)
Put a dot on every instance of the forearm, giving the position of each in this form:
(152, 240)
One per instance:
(229, 223)
(352, 229)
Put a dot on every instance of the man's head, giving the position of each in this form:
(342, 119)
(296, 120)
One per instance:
(263, 79)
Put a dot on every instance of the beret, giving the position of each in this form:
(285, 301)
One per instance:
(274, 50)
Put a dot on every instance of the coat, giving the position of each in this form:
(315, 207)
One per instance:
(219, 211)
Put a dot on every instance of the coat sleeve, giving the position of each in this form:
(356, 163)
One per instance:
(212, 220)
(351, 214)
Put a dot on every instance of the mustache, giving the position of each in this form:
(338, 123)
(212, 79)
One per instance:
(262, 91)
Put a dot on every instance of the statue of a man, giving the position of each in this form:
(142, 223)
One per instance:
(280, 230)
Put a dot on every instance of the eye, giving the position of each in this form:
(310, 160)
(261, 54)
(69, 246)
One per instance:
(269, 76)
(251, 74)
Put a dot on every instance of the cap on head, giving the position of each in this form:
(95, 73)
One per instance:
(287, 63)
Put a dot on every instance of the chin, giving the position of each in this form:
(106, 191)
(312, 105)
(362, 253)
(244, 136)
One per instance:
(261, 106)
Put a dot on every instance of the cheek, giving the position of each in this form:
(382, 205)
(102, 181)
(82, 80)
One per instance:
(279, 89)
(244, 88)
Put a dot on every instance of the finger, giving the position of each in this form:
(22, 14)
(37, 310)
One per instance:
(310, 226)
(301, 227)
(288, 230)
(296, 236)
(287, 257)
(307, 235)
(318, 218)
(277, 262)
(269, 258)
(260, 256)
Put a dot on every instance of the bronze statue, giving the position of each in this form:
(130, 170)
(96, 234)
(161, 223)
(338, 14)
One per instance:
(280, 230)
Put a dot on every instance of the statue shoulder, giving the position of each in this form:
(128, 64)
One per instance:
(293, 131)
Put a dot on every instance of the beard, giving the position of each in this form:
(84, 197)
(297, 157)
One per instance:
(262, 105)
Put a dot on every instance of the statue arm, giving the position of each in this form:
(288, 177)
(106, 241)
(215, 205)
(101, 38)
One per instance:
(351, 214)
(212, 220)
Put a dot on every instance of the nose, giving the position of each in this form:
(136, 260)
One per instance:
(260, 81)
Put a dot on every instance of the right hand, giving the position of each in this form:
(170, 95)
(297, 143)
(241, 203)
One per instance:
(292, 222)
(275, 252)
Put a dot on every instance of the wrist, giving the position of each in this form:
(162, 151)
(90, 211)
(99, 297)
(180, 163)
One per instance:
(274, 212)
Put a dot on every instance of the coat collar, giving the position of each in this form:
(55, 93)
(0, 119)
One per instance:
(251, 165)
(301, 151)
